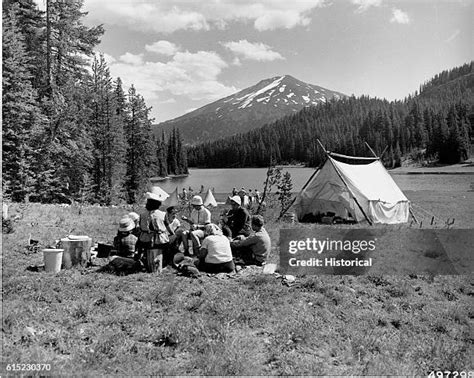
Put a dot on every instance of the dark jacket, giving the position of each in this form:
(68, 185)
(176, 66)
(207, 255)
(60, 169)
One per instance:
(239, 222)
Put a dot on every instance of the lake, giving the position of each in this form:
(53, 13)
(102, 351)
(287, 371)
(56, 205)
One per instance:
(223, 180)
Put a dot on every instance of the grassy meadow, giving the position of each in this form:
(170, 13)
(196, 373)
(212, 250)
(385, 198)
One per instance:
(83, 322)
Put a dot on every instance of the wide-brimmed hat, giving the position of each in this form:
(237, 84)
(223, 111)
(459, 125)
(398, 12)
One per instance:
(157, 194)
(126, 224)
(236, 199)
(197, 200)
(133, 216)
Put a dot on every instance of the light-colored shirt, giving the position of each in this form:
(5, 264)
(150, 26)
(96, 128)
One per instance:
(218, 249)
(158, 221)
(201, 216)
(174, 225)
(259, 243)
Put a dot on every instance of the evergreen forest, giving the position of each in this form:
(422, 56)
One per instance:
(71, 132)
(435, 124)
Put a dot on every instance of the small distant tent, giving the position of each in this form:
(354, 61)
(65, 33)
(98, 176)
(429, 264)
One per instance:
(352, 188)
(172, 200)
(209, 200)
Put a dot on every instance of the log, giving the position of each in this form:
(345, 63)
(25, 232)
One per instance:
(77, 251)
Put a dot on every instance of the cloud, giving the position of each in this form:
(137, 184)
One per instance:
(132, 59)
(363, 5)
(399, 16)
(171, 15)
(168, 101)
(252, 51)
(193, 75)
(162, 47)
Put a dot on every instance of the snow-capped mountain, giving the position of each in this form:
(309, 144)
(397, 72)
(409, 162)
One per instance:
(248, 109)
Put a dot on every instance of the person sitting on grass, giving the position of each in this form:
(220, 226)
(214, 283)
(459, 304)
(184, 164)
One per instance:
(125, 242)
(238, 218)
(176, 231)
(136, 220)
(215, 255)
(200, 217)
(254, 249)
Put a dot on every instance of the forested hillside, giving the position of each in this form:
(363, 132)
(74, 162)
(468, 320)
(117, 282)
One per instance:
(70, 131)
(435, 121)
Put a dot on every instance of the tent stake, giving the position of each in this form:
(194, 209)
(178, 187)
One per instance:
(413, 215)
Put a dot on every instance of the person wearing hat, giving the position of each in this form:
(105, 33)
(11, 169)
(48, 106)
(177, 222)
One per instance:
(215, 255)
(154, 228)
(238, 218)
(255, 249)
(136, 220)
(125, 242)
(200, 217)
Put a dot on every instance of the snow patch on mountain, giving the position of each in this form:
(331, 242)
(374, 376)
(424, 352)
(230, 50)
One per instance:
(249, 97)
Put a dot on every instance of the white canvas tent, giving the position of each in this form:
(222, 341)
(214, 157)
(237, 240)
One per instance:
(358, 189)
(210, 200)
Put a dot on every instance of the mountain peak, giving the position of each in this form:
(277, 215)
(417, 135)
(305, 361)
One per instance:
(250, 108)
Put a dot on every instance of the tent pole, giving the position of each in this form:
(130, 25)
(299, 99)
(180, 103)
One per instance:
(324, 149)
(383, 152)
(355, 199)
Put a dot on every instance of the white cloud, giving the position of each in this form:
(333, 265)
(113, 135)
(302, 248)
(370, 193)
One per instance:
(194, 75)
(109, 58)
(399, 16)
(132, 59)
(162, 47)
(170, 100)
(363, 5)
(172, 15)
(252, 51)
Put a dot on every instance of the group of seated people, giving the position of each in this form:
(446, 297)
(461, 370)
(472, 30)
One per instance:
(238, 238)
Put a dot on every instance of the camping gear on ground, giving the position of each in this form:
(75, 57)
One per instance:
(354, 189)
(104, 250)
(52, 260)
(289, 217)
(121, 266)
(269, 268)
(209, 200)
(77, 251)
(154, 260)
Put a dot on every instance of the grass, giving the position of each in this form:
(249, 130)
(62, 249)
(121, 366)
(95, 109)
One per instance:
(82, 322)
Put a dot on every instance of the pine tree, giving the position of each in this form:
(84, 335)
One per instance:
(22, 118)
(106, 127)
(172, 154)
(141, 155)
(284, 192)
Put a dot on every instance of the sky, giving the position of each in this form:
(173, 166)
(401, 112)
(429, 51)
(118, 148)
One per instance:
(183, 54)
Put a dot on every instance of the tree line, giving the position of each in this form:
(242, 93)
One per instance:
(70, 131)
(437, 123)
